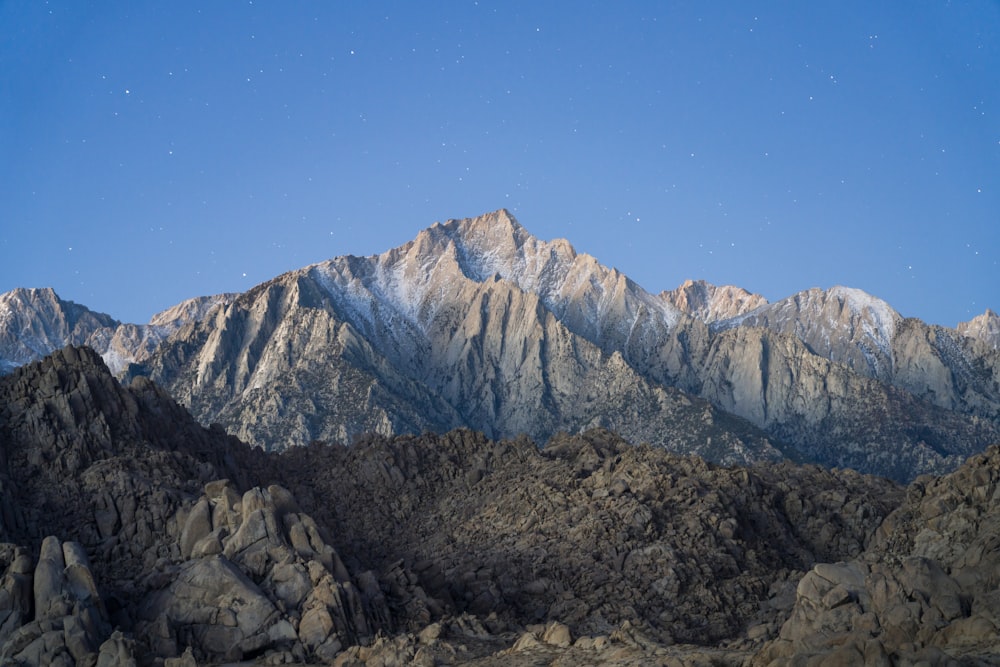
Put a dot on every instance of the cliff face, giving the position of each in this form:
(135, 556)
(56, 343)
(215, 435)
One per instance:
(477, 323)
(296, 360)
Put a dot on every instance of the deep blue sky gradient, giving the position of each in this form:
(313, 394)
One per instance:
(151, 152)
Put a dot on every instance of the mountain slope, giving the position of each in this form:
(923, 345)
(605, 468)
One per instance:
(923, 592)
(477, 323)
(329, 353)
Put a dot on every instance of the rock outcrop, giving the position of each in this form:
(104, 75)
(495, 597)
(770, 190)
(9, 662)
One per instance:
(924, 590)
(146, 522)
(130, 535)
(589, 531)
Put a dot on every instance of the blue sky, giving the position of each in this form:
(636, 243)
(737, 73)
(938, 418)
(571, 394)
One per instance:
(151, 152)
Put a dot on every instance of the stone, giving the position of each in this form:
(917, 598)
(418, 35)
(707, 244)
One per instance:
(557, 634)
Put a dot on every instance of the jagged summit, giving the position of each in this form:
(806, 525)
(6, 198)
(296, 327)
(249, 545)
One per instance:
(843, 324)
(985, 327)
(710, 303)
(35, 322)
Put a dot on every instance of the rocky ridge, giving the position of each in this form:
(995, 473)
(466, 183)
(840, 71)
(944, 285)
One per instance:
(296, 360)
(711, 303)
(985, 327)
(478, 324)
(588, 531)
(924, 592)
(130, 533)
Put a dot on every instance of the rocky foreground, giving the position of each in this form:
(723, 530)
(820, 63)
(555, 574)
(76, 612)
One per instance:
(131, 535)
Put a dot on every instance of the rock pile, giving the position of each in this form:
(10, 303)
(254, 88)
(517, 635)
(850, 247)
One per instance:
(589, 531)
(925, 590)
(146, 522)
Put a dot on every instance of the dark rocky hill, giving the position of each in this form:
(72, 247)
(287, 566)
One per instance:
(130, 530)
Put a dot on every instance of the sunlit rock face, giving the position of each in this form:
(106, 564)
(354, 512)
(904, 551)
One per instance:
(477, 323)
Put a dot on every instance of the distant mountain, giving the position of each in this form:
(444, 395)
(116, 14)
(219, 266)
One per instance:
(440, 333)
(710, 303)
(477, 323)
(36, 322)
(985, 328)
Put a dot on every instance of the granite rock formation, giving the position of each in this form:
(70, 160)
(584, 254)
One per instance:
(129, 534)
(119, 512)
(925, 591)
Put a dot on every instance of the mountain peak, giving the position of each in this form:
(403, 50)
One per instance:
(35, 321)
(985, 327)
(843, 324)
(495, 231)
(709, 303)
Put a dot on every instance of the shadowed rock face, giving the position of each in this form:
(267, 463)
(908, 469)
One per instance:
(589, 531)
(186, 540)
(118, 510)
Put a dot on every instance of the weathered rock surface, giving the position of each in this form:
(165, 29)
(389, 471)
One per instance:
(129, 535)
(36, 322)
(354, 346)
(924, 590)
(476, 323)
(162, 530)
(711, 303)
(589, 531)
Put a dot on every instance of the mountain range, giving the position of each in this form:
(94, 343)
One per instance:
(476, 323)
